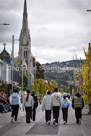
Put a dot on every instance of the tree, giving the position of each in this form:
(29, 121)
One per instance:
(41, 86)
(4, 87)
(86, 72)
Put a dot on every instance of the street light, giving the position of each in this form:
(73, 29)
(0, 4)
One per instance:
(88, 10)
(4, 24)
(12, 62)
(22, 67)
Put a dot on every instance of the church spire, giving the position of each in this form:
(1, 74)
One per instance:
(25, 19)
(25, 7)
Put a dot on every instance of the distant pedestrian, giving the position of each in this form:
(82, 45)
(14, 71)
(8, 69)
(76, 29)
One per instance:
(33, 116)
(46, 105)
(78, 104)
(28, 104)
(15, 103)
(56, 104)
(65, 106)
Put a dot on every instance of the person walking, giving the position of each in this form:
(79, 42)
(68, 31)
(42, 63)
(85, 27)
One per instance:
(33, 115)
(28, 104)
(65, 106)
(46, 105)
(78, 104)
(15, 103)
(56, 104)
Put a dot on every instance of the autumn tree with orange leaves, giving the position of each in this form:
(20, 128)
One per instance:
(41, 86)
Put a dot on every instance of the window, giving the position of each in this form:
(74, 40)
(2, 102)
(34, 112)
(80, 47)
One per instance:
(25, 54)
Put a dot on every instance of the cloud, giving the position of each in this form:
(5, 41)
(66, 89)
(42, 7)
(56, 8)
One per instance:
(57, 27)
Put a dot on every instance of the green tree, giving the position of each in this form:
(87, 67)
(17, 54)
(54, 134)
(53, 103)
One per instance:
(86, 72)
(41, 86)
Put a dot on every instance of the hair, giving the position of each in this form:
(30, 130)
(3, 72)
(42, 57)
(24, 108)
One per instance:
(48, 92)
(15, 90)
(64, 96)
(78, 95)
(28, 92)
(56, 90)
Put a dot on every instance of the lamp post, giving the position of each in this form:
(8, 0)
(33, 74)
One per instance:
(35, 68)
(12, 62)
(88, 10)
(22, 69)
(4, 24)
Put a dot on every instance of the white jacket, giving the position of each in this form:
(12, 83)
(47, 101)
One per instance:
(56, 99)
(46, 103)
(29, 103)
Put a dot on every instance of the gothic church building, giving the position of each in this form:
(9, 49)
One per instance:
(24, 54)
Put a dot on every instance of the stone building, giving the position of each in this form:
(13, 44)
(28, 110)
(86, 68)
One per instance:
(4, 55)
(24, 54)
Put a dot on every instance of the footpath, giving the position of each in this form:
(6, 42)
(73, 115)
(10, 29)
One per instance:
(39, 127)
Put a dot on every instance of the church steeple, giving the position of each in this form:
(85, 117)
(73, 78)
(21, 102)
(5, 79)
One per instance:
(24, 54)
(25, 19)
(25, 7)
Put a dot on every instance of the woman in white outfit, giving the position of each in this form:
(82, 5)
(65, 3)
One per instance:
(28, 105)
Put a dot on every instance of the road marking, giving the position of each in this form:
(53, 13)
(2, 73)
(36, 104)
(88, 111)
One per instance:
(1, 126)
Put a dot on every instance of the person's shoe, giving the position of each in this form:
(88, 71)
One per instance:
(12, 119)
(79, 121)
(48, 122)
(64, 122)
(27, 124)
(54, 121)
(56, 124)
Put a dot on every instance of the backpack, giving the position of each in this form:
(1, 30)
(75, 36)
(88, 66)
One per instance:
(36, 104)
(65, 103)
(35, 101)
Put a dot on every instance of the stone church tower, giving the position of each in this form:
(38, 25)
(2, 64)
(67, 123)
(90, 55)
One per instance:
(24, 54)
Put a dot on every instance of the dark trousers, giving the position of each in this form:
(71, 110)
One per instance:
(48, 115)
(28, 114)
(1, 108)
(56, 113)
(78, 114)
(65, 114)
(33, 114)
(15, 109)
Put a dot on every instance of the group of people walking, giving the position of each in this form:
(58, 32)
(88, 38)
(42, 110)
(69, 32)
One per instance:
(30, 103)
(51, 103)
(55, 102)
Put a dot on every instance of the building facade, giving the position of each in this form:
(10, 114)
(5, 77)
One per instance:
(24, 54)
(6, 72)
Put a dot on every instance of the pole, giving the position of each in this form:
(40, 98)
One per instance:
(12, 61)
(35, 69)
(22, 69)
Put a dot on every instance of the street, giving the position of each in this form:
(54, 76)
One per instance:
(39, 127)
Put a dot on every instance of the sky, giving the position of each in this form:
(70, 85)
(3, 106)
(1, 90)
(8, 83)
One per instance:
(60, 29)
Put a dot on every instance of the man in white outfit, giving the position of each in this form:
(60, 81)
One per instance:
(46, 105)
(56, 104)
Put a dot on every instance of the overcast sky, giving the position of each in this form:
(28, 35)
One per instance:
(59, 29)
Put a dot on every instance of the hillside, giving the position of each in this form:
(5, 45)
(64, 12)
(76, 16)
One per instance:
(70, 63)
(62, 72)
